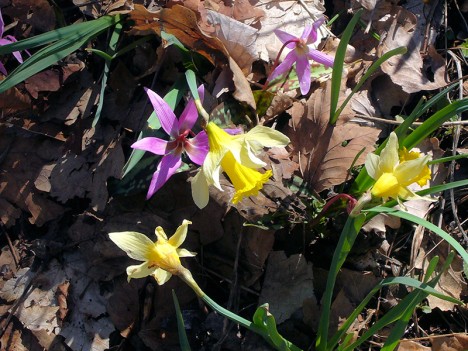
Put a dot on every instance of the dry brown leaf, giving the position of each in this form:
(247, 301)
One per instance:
(452, 282)
(325, 153)
(238, 38)
(456, 342)
(182, 22)
(39, 14)
(51, 79)
(12, 101)
(409, 70)
(409, 345)
(24, 160)
(240, 10)
(61, 295)
(288, 282)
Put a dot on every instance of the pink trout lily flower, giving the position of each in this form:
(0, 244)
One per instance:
(178, 130)
(300, 54)
(8, 39)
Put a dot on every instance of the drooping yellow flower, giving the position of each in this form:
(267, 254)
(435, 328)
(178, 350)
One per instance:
(395, 171)
(161, 259)
(235, 155)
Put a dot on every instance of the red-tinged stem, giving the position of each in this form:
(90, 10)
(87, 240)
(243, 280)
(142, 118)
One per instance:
(265, 86)
(351, 203)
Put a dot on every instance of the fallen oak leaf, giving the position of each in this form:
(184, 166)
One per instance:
(182, 23)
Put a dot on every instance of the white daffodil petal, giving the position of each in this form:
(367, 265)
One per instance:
(216, 174)
(139, 271)
(185, 253)
(200, 192)
(389, 155)
(212, 161)
(136, 245)
(179, 236)
(161, 276)
(372, 164)
(267, 137)
(160, 234)
(406, 172)
(248, 158)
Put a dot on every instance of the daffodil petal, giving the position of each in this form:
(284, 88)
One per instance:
(139, 271)
(407, 172)
(160, 233)
(372, 164)
(185, 253)
(211, 166)
(200, 191)
(266, 137)
(136, 245)
(389, 158)
(161, 276)
(181, 233)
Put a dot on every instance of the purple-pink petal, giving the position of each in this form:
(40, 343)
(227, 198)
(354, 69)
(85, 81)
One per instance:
(321, 57)
(164, 113)
(154, 145)
(2, 69)
(285, 37)
(2, 24)
(166, 168)
(306, 32)
(284, 66)
(312, 37)
(197, 148)
(303, 74)
(190, 114)
(11, 39)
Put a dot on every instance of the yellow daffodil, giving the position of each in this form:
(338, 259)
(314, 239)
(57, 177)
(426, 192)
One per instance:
(161, 259)
(235, 155)
(395, 171)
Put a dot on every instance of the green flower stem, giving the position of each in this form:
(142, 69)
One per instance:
(265, 328)
(187, 277)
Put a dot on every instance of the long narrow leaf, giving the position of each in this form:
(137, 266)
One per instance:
(183, 340)
(338, 65)
(369, 72)
(418, 220)
(53, 53)
(434, 122)
(347, 238)
(112, 48)
(58, 34)
(411, 282)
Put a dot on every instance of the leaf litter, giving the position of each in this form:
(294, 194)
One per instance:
(69, 288)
